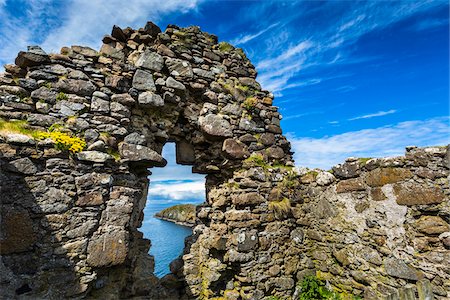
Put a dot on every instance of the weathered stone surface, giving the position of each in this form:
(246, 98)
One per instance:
(215, 126)
(412, 194)
(99, 105)
(397, 268)
(263, 223)
(432, 225)
(150, 99)
(347, 170)
(382, 176)
(78, 87)
(235, 149)
(108, 249)
(185, 153)
(17, 231)
(23, 166)
(143, 80)
(377, 194)
(350, 185)
(247, 199)
(178, 67)
(85, 51)
(94, 156)
(325, 178)
(150, 60)
(19, 139)
(172, 83)
(35, 56)
(90, 199)
(141, 154)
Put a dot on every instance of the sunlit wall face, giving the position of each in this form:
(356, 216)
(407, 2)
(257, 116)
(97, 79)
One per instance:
(169, 186)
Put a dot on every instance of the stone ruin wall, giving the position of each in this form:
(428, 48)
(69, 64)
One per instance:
(70, 222)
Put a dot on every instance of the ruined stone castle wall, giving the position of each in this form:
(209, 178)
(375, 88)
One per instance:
(377, 227)
(70, 220)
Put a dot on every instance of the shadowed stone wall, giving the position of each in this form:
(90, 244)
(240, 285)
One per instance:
(70, 220)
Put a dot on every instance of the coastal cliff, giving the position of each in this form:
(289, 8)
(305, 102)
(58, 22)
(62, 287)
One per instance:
(182, 214)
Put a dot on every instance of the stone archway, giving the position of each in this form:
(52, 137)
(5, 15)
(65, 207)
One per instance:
(144, 88)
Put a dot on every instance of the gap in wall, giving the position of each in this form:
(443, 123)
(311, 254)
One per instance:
(169, 186)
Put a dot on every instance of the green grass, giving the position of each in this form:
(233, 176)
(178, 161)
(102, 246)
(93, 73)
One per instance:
(114, 153)
(364, 160)
(313, 288)
(17, 126)
(61, 96)
(280, 208)
(225, 47)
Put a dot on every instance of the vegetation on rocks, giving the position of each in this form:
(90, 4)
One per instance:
(64, 141)
(17, 126)
(181, 213)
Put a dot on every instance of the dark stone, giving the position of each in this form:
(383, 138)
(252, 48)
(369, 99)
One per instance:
(118, 34)
(34, 57)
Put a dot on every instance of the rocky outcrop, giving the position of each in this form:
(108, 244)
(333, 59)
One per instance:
(182, 214)
(81, 130)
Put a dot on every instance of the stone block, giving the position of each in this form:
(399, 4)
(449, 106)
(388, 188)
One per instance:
(350, 185)
(411, 193)
(108, 249)
(382, 176)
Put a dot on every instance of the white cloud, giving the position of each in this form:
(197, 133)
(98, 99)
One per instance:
(248, 37)
(175, 182)
(177, 190)
(375, 142)
(83, 22)
(87, 21)
(377, 114)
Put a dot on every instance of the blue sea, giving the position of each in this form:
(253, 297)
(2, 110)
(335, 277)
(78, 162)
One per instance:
(167, 237)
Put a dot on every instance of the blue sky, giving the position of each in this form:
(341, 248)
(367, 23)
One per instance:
(351, 78)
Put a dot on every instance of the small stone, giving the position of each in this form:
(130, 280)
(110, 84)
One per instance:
(23, 166)
(215, 126)
(325, 178)
(34, 57)
(124, 99)
(235, 149)
(432, 225)
(114, 254)
(94, 156)
(347, 170)
(178, 67)
(150, 60)
(247, 199)
(150, 99)
(397, 268)
(99, 105)
(141, 154)
(143, 80)
(85, 51)
(417, 194)
(382, 176)
(19, 139)
(97, 146)
(135, 138)
(172, 83)
(350, 185)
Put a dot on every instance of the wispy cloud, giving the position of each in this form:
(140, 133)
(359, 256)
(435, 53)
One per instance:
(377, 114)
(54, 24)
(248, 37)
(325, 44)
(375, 142)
